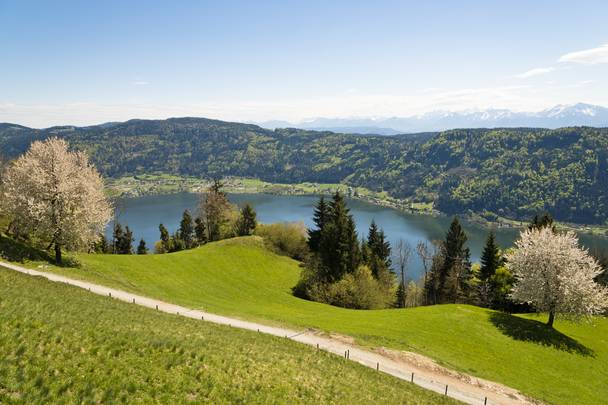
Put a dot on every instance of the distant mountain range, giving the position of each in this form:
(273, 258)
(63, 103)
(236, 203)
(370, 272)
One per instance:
(557, 117)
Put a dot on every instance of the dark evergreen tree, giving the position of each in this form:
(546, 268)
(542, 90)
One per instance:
(247, 221)
(491, 260)
(186, 230)
(199, 231)
(123, 240)
(117, 237)
(401, 291)
(379, 257)
(453, 275)
(165, 239)
(126, 247)
(141, 248)
(176, 244)
(338, 245)
(320, 218)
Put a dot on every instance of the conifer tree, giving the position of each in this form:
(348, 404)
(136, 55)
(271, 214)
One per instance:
(339, 244)
(165, 239)
(320, 218)
(199, 231)
(126, 245)
(141, 248)
(455, 272)
(491, 260)
(247, 221)
(117, 236)
(186, 230)
(379, 250)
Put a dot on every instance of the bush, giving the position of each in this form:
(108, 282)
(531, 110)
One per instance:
(285, 238)
(358, 290)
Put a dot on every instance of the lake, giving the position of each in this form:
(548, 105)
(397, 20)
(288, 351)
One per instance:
(143, 215)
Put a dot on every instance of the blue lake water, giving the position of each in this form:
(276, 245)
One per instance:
(143, 215)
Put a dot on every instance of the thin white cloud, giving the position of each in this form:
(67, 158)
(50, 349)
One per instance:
(591, 56)
(140, 83)
(535, 72)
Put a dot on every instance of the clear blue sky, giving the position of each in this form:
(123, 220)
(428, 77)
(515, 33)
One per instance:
(84, 62)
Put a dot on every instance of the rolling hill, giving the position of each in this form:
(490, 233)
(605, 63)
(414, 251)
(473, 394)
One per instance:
(60, 344)
(240, 278)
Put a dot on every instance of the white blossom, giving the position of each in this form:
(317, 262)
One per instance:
(555, 275)
(56, 195)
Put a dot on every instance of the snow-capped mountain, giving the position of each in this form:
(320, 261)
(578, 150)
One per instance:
(559, 116)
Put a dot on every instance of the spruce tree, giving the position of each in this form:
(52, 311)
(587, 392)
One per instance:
(117, 237)
(165, 239)
(186, 230)
(141, 248)
(199, 231)
(320, 218)
(490, 259)
(379, 250)
(455, 273)
(338, 244)
(247, 221)
(126, 246)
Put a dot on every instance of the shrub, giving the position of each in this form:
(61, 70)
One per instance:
(358, 290)
(285, 238)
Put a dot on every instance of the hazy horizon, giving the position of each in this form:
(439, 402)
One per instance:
(82, 64)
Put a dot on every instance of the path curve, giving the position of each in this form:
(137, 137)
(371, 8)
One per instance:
(471, 390)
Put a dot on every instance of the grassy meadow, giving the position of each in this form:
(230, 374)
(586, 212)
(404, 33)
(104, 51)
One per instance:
(61, 344)
(240, 278)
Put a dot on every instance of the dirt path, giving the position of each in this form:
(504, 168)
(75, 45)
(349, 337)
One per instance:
(404, 365)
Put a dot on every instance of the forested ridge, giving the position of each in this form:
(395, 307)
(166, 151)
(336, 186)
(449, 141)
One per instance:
(513, 172)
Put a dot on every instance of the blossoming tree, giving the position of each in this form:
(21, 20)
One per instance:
(56, 195)
(555, 275)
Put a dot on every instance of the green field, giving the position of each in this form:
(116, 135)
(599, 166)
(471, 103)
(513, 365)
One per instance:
(60, 344)
(239, 277)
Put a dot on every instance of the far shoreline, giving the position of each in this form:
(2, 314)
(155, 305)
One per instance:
(167, 184)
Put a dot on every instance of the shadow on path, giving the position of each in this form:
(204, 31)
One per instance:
(529, 330)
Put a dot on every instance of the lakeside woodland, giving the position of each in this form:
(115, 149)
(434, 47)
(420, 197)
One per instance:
(496, 173)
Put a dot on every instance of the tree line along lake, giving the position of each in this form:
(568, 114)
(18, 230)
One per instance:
(144, 214)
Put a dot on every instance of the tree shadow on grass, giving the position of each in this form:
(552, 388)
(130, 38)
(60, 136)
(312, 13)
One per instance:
(17, 251)
(529, 330)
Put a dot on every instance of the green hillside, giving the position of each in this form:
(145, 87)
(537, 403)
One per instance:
(239, 277)
(510, 172)
(60, 344)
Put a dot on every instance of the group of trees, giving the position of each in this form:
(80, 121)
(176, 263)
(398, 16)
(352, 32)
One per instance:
(53, 197)
(218, 219)
(342, 270)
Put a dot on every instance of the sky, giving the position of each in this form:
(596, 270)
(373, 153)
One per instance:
(88, 62)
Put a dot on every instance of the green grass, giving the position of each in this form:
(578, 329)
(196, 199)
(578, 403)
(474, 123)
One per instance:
(240, 278)
(61, 344)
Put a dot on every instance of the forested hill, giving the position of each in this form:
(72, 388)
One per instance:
(510, 172)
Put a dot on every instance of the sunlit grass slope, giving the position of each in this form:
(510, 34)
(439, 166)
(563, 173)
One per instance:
(60, 344)
(239, 277)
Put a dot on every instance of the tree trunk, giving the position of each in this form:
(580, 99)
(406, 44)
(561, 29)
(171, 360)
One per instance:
(57, 253)
(551, 319)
